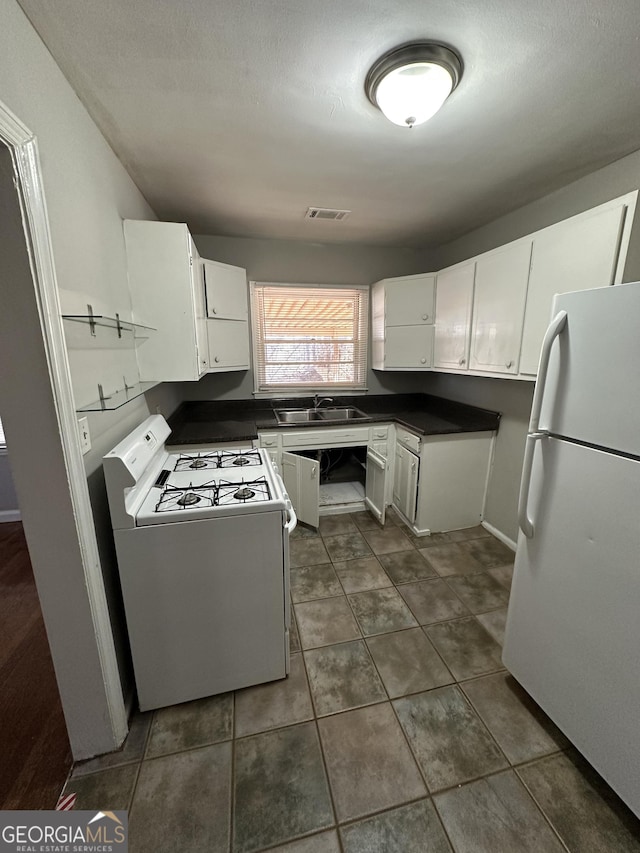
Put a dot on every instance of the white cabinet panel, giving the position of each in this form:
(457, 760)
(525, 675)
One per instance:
(376, 486)
(228, 345)
(453, 480)
(302, 481)
(409, 300)
(403, 311)
(454, 300)
(409, 347)
(226, 289)
(578, 254)
(164, 294)
(405, 482)
(500, 295)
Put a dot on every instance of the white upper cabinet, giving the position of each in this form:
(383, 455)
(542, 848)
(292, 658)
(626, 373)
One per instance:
(409, 300)
(454, 301)
(578, 254)
(226, 289)
(498, 311)
(167, 294)
(403, 312)
(227, 316)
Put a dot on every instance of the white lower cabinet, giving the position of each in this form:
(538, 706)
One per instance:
(376, 484)
(405, 482)
(301, 477)
(299, 455)
(440, 481)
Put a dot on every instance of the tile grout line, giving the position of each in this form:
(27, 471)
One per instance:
(545, 817)
(322, 754)
(232, 780)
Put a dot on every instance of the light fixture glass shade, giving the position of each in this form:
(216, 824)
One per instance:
(413, 93)
(410, 83)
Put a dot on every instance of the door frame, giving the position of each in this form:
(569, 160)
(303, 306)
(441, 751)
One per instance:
(23, 146)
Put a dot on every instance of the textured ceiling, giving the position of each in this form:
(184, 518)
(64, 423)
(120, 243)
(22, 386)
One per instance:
(237, 115)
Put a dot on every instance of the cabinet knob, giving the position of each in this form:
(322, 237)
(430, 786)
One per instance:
(509, 364)
(425, 316)
(213, 311)
(423, 360)
(216, 359)
(461, 361)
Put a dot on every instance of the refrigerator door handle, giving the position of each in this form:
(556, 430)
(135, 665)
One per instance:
(555, 328)
(524, 521)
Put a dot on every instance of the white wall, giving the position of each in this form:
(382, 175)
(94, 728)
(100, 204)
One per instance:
(512, 397)
(304, 263)
(88, 194)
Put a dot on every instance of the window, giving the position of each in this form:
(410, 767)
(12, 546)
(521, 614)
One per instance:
(309, 337)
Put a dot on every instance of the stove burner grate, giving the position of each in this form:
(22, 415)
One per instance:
(244, 492)
(174, 498)
(197, 461)
(232, 458)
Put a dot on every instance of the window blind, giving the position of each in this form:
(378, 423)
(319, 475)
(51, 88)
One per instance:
(309, 337)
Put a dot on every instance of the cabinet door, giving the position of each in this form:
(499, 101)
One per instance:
(408, 347)
(376, 484)
(226, 289)
(228, 344)
(162, 296)
(405, 482)
(498, 309)
(409, 301)
(454, 298)
(302, 481)
(575, 255)
(200, 311)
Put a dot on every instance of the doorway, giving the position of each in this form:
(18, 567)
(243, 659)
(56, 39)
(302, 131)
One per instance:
(36, 401)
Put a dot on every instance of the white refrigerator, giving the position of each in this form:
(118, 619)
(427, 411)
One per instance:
(573, 626)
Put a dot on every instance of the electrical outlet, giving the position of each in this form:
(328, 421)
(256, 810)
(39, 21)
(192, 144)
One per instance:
(85, 438)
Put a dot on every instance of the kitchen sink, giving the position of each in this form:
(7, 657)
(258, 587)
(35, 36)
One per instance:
(296, 416)
(346, 414)
(303, 416)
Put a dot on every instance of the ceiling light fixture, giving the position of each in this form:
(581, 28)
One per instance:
(410, 83)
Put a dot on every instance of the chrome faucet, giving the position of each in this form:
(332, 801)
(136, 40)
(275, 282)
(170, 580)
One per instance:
(318, 401)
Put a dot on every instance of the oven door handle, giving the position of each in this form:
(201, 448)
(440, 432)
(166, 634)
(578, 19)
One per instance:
(290, 526)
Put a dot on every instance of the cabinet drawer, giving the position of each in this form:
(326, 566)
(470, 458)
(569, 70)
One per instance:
(408, 439)
(268, 439)
(326, 437)
(379, 433)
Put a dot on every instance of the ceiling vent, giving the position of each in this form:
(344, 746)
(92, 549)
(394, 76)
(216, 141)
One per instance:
(326, 213)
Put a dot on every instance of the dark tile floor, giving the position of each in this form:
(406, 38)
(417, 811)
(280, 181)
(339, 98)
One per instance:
(397, 731)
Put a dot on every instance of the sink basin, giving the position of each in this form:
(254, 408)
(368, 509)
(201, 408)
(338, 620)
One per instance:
(303, 416)
(347, 414)
(296, 416)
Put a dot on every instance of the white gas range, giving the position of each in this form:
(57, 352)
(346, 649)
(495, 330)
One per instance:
(202, 540)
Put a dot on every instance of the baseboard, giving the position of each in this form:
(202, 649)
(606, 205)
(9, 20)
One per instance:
(499, 535)
(10, 515)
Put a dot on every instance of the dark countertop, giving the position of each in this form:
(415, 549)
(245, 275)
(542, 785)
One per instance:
(210, 422)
